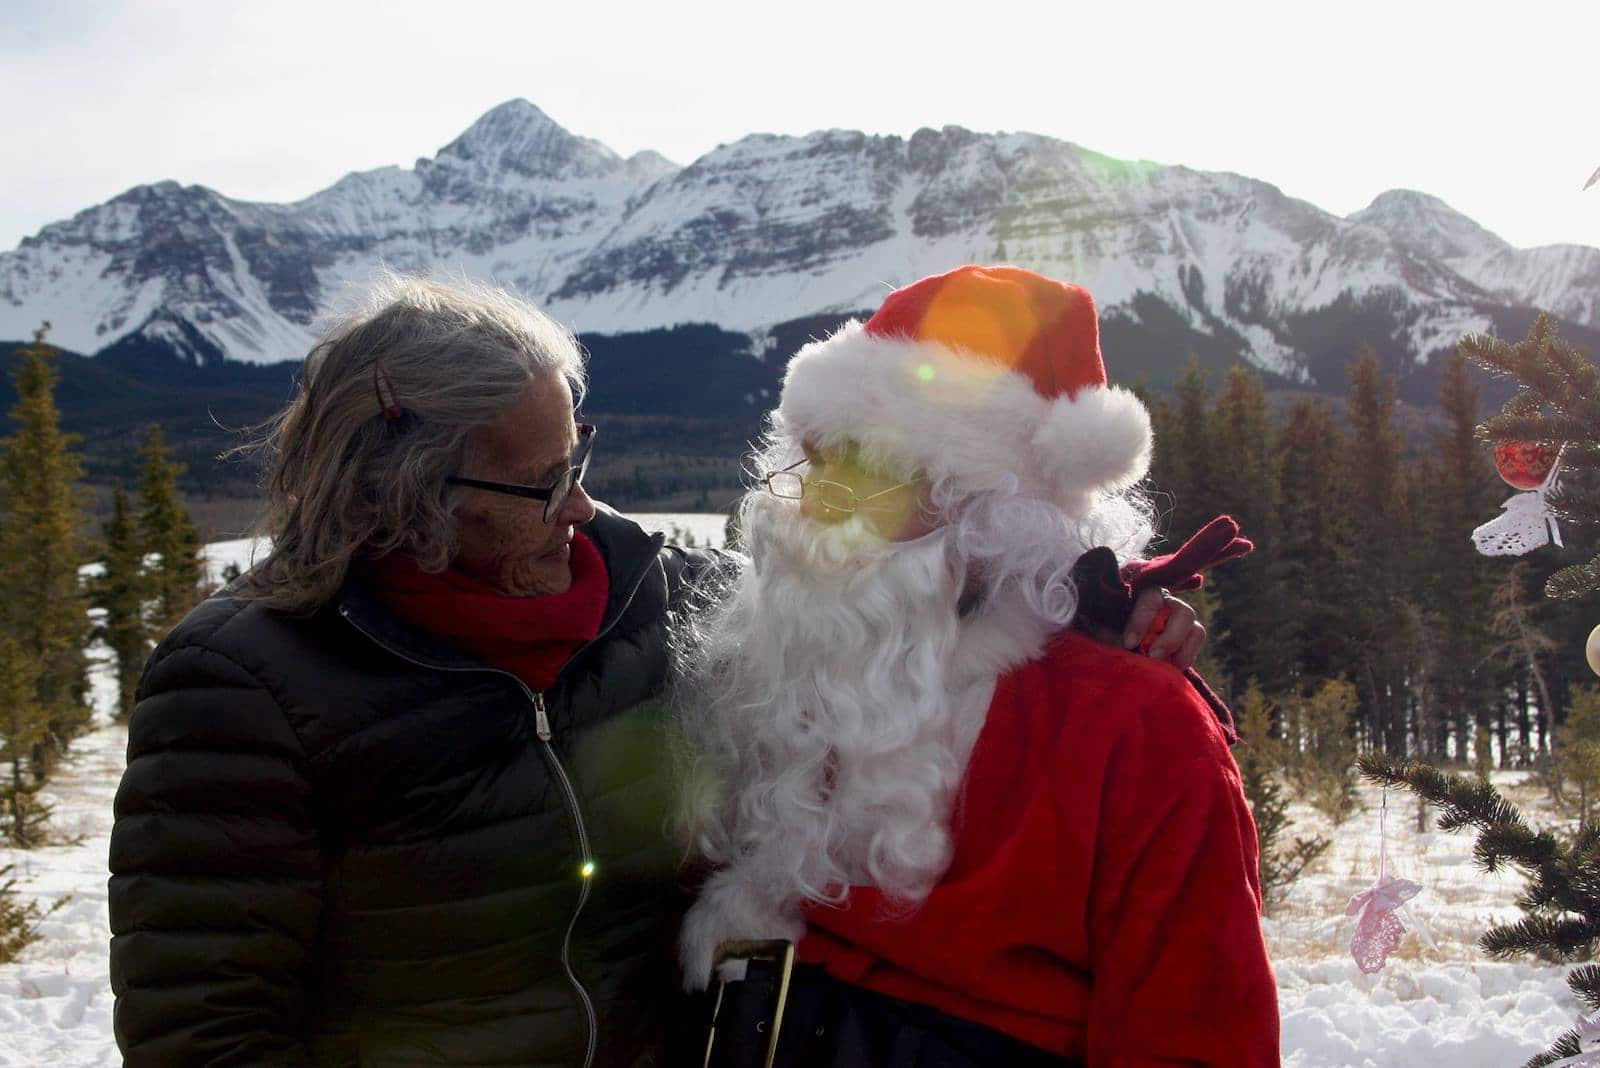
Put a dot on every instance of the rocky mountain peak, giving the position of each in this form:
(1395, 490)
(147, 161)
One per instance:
(517, 137)
(1427, 226)
(648, 165)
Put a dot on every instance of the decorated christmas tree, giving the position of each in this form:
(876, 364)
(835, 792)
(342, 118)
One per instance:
(1547, 444)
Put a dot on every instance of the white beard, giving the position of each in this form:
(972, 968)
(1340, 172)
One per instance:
(833, 702)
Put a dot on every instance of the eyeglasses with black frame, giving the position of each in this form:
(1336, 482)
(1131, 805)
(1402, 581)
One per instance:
(554, 495)
(791, 485)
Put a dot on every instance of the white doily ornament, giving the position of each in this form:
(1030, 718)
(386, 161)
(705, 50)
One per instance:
(1525, 524)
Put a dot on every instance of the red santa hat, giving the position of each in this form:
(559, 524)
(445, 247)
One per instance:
(983, 374)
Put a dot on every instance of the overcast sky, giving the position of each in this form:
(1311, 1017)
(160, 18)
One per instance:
(1495, 112)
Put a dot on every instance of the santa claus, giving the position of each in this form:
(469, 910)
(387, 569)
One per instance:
(985, 837)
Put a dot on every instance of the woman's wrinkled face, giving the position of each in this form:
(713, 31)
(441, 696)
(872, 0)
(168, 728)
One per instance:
(504, 541)
(898, 509)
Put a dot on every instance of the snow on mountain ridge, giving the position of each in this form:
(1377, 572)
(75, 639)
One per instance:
(772, 227)
(1562, 279)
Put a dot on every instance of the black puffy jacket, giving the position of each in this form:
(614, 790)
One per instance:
(338, 842)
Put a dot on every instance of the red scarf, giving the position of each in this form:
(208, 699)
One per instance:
(531, 637)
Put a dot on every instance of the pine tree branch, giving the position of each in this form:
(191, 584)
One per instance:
(1575, 581)
(1567, 513)
(1490, 353)
(1465, 800)
(1503, 834)
(1582, 377)
(1539, 936)
(1499, 842)
(1565, 1046)
(1584, 981)
(1518, 426)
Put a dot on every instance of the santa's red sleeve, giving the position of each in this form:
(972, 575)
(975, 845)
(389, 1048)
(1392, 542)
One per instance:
(1180, 970)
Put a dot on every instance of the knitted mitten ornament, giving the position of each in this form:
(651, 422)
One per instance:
(1380, 908)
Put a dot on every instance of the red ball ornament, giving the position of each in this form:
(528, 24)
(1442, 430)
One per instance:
(1525, 464)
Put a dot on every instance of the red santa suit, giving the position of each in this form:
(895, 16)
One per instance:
(1104, 897)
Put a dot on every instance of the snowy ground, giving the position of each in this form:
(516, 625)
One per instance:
(1425, 1009)
(55, 1004)
(1450, 1009)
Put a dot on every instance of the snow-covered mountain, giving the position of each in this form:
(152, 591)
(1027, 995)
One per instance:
(1561, 279)
(771, 229)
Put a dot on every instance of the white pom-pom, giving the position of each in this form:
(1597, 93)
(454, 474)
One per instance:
(1098, 440)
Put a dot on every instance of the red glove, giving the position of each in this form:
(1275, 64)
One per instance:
(1215, 543)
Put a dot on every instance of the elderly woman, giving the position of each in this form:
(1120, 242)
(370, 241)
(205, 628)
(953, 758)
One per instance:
(399, 795)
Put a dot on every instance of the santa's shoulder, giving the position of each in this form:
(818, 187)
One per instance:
(1107, 691)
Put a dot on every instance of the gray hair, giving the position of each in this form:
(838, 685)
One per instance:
(346, 483)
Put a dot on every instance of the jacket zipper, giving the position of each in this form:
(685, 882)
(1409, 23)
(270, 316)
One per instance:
(569, 796)
(541, 730)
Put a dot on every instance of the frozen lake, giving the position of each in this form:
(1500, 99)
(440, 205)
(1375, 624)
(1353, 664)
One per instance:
(707, 529)
(682, 528)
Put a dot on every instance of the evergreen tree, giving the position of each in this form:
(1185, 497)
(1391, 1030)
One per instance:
(1380, 528)
(1245, 486)
(1482, 746)
(1324, 773)
(1578, 750)
(167, 533)
(1421, 631)
(1315, 543)
(121, 593)
(1259, 758)
(19, 921)
(24, 818)
(1464, 494)
(1518, 638)
(1164, 459)
(1190, 467)
(1208, 610)
(42, 608)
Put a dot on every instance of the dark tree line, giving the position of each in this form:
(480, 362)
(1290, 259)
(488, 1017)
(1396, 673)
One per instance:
(1366, 621)
(1364, 570)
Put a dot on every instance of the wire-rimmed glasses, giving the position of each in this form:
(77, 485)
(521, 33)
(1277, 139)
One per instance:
(554, 495)
(790, 485)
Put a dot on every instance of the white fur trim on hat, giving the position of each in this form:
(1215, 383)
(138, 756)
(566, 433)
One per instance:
(1099, 440)
(921, 406)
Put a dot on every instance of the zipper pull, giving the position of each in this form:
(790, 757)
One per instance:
(541, 720)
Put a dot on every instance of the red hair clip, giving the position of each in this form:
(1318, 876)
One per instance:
(388, 402)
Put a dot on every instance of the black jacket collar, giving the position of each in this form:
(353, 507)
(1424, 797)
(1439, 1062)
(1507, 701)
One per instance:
(626, 549)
